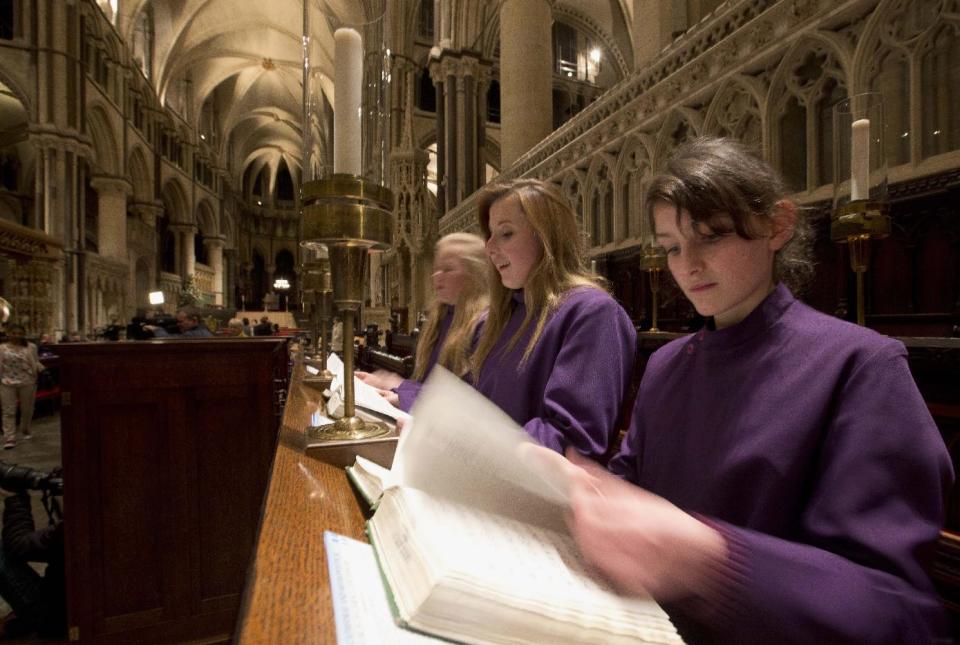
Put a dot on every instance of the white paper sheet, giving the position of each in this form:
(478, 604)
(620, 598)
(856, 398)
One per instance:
(360, 605)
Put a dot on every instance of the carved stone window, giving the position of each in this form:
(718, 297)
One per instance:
(636, 169)
(940, 114)
(892, 79)
(814, 82)
(918, 44)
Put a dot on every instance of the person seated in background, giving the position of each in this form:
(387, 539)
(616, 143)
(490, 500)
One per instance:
(783, 480)
(247, 328)
(263, 328)
(234, 328)
(460, 274)
(189, 324)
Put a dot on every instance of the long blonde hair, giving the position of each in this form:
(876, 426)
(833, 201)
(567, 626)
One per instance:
(561, 267)
(471, 303)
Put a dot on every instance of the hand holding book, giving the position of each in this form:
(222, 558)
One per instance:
(641, 543)
(470, 536)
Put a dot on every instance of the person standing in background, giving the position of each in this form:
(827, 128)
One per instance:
(19, 366)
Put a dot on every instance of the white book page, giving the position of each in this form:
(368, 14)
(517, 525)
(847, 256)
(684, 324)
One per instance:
(526, 570)
(463, 447)
(365, 396)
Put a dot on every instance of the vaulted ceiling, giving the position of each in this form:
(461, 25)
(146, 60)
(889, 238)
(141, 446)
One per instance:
(239, 64)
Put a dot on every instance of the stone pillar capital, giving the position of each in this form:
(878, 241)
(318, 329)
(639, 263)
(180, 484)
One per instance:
(111, 184)
(215, 241)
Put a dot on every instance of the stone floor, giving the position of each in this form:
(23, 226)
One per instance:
(43, 453)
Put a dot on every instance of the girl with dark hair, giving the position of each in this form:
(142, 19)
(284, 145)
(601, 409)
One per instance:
(784, 479)
(557, 351)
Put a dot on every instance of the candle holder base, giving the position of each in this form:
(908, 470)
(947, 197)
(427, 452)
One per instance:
(321, 381)
(862, 217)
(347, 429)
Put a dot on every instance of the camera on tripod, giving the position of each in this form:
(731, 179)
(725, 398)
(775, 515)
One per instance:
(17, 479)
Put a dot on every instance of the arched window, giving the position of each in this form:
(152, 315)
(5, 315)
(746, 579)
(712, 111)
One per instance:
(812, 82)
(200, 249)
(426, 92)
(940, 115)
(425, 20)
(832, 94)
(493, 102)
(285, 192)
(892, 80)
(793, 144)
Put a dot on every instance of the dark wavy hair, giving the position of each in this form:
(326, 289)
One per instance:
(711, 177)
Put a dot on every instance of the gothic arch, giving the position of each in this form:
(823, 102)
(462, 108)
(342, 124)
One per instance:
(14, 88)
(140, 175)
(175, 202)
(736, 111)
(633, 171)
(206, 218)
(227, 229)
(812, 75)
(681, 125)
(584, 23)
(572, 187)
(599, 191)
(105, 146)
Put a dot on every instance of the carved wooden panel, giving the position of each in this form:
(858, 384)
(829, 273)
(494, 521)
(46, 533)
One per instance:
(167, 447)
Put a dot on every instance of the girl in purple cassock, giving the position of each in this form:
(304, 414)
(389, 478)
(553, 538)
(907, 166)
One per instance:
(784, 481)
(556, 351)
(460, 279)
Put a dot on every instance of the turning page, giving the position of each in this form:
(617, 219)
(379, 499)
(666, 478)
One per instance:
(462, 447)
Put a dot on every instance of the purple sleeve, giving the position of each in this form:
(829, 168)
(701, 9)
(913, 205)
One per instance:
(590, 376)
(407, 391)
(852, 568)
(624, 463)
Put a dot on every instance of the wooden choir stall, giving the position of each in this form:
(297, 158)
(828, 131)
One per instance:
(167, 447)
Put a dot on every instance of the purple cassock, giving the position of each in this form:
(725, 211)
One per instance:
(408, 390)
(804, 441)
(571, 388)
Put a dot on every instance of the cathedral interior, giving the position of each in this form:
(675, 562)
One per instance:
(164, 146)
(157, 145)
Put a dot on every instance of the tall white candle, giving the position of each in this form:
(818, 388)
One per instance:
(347, 92)
(593, 266)
(860, 160)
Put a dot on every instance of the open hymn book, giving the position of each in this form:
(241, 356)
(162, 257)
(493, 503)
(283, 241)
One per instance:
(471, 540)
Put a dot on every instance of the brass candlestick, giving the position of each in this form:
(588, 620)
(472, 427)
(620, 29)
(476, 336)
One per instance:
(654, 261)
(860, 211)
(318, 296)
(349, 216)
(855, 224)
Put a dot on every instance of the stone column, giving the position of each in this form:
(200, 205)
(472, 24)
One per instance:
(654, 25)
(189, 253)
(184, 255)
(459, 76)
(526, 76)
(215, 255)
(112, 216)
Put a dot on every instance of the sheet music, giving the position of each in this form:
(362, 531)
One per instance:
(360, 606)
